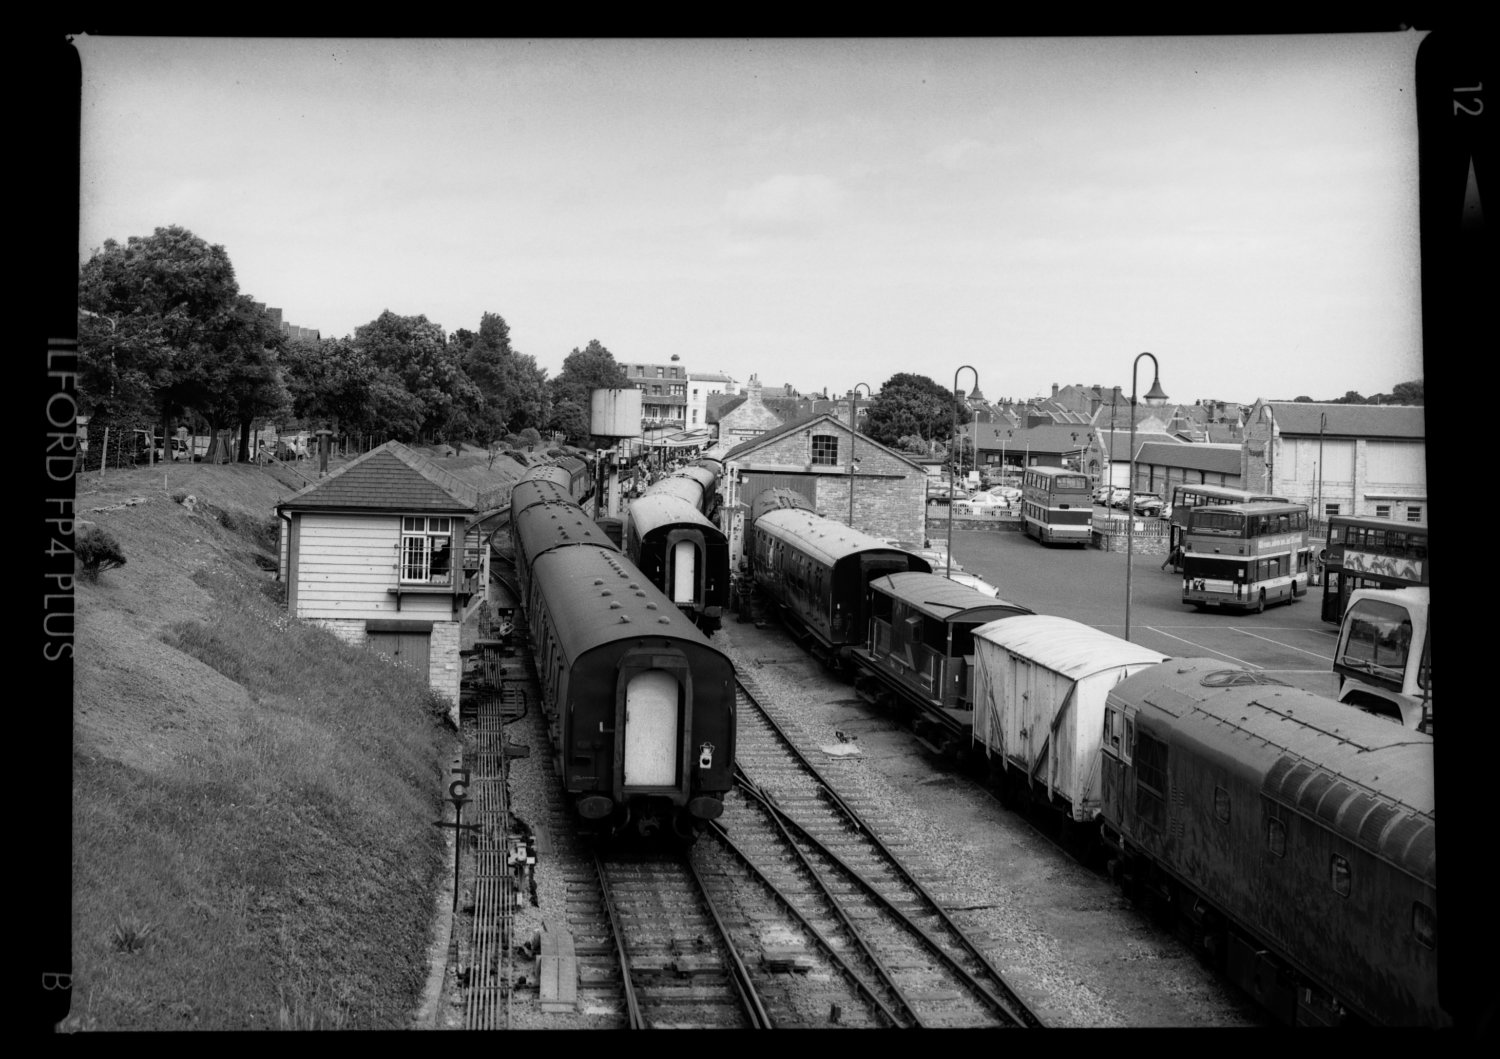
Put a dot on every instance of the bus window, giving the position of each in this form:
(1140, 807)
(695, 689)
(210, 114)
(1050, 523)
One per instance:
(1378, 638)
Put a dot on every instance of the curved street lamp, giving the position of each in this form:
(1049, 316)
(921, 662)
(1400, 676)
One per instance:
(1154, 397)
(1322, 426)
(952, 454)
(854, 418)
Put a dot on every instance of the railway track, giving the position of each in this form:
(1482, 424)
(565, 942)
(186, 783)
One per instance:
(909, 953)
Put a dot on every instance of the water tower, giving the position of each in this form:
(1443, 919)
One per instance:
(614, 414)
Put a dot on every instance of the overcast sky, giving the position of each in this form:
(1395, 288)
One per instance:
(820, 213)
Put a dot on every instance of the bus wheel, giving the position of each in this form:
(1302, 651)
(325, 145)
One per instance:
(1260, 604)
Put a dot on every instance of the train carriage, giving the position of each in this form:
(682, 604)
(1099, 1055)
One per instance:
(1296, 835)
(919, 650)
(1040, 684)
(816, 570)
(683, 554)
(641, 706)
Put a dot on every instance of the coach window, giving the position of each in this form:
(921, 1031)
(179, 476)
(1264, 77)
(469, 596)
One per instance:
(1424, 925)
(825, 450)
(1112, 729)
(1339, 875)
(1221, 804)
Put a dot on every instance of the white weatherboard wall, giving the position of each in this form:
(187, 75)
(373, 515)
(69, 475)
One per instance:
(346, 567)
(1039, 688)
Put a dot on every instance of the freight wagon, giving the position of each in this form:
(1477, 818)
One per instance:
(1040, 684)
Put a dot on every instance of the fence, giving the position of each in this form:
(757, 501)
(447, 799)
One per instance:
(1152, 536)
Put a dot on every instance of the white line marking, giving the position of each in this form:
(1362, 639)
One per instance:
(1205, 647)
(1289, 647)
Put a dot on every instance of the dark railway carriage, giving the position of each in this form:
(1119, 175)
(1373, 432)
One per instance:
(1296, 838)
(919, 652)
(639, 703)
(570, 473)
(696, 485)
(816, 571)
(682, 553)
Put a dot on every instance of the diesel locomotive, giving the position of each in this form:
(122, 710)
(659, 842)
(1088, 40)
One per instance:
(641, 707)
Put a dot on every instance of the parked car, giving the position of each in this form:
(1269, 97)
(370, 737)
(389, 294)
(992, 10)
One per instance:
(937, 556)
(1149, 504)
(1009, 493)
(1120, 499)
(943, 493)
(981, 503)
(1108, 494)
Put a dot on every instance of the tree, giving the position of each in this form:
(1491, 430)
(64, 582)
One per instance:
(413, 353)
(151, 312)
(1302, 400)
(911, 404)
(583, 371)
(1408, 392)
(331, 383)
(1350, 397)
(512, 388)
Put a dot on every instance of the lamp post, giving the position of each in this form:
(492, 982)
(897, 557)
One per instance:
(854, 418)
(1155, 396)
(952, 454)
(1322, 426)
(1115, 396)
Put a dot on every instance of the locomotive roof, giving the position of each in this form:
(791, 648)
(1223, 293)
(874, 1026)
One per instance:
(597, 597)
(945, 600)
(824, 539)
(658, 510)
(774, 499)
(1065, 646)
(1365, 777)
(688, 487)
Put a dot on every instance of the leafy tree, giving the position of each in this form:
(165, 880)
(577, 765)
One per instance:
(1408, 392)
(1350, 397)
(331, 383)
(412, 353)
(910, 404)
(512, 388)
(152, 310)
(583, 371)
(1302, 400)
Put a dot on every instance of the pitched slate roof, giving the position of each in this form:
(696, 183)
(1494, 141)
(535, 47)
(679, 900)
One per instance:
(389, 478)
(1054, 437)
(795, 425)
(1218, 459)
(1350, 420)
(1119, 448)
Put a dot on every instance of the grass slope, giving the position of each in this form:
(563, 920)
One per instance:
(252, 799)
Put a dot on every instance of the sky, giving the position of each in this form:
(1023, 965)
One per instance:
(817, 213)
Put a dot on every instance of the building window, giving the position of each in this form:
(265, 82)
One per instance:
(1414, 513)
(426, 550)
(659, 373)
(825, 450)
(1329, 510)
(1382, 510)
(1339, 875)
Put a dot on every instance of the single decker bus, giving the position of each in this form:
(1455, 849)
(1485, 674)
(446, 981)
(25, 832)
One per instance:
(1243, 556)
(1057, 505)
(1365, 552)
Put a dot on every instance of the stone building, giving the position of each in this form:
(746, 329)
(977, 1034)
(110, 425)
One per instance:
(813, 456)
(1339, 459)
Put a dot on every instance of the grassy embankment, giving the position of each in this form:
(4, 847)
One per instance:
(252, 799)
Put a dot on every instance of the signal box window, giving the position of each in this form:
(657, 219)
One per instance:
(426, 550)
(825, 450)
(1340, 875)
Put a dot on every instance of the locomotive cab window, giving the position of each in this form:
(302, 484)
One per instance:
(1424, 925)
(1276, 836)
(1339, 875)
(1221, 805)
(426, 550)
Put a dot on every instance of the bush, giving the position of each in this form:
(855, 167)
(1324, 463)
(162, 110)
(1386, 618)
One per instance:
(97, 551)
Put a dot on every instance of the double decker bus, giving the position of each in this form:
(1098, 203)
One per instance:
(1366, 552)
(1244, 556)
(1057, 505)
(1384, 655)
(1186, 496)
